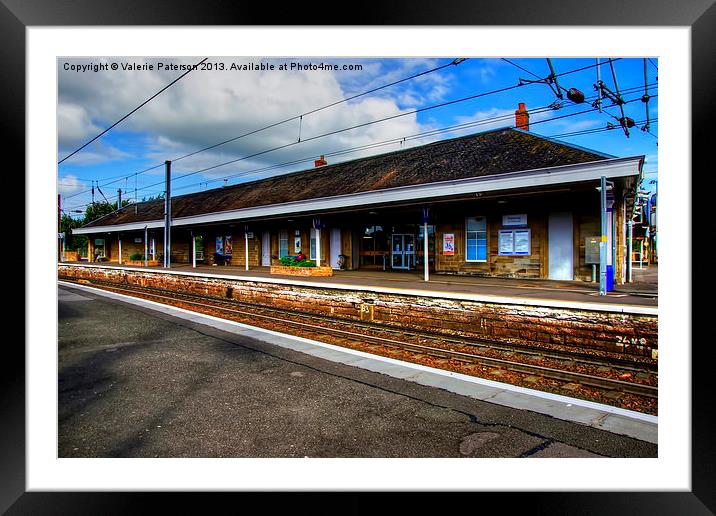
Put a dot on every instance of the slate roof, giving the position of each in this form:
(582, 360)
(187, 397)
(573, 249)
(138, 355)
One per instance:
(482, 154)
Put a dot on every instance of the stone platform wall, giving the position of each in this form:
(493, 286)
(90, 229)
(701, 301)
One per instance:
(634, 335)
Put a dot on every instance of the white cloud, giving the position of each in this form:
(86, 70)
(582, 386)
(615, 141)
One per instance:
(69, 184)
(207, 107)
(74, 125)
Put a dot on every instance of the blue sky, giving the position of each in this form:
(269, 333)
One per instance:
(209, 106)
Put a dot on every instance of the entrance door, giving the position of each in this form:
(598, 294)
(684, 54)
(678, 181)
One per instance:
(402, 251)
(266, 249)
(335, 247)
(561, 246)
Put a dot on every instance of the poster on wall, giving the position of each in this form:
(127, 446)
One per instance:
(220, 245)
(522, 242)
(448, 244)
(506, 242)
(297, 244)
(228, 246)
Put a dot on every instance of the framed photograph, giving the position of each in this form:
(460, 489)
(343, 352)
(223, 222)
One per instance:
(38, 37)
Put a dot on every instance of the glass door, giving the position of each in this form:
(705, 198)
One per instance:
(402, 251)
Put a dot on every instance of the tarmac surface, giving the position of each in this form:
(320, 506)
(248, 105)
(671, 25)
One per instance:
(137, 382)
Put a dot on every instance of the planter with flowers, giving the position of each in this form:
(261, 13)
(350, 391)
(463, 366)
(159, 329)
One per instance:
(292, 267)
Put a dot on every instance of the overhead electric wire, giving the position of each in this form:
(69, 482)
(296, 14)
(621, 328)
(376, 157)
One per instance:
(454, 62)
(499, 90)
(191, 69)
(472, 97)
(521, 68)
(591, 131)
(118, 180)
(394, 140)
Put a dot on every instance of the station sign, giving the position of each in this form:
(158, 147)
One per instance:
(519, 219)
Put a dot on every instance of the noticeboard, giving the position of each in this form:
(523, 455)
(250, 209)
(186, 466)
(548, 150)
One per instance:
(522, 242)
(506, 242)
(591, 250)
(514, 242)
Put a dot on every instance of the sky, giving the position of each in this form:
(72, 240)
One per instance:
(231, 98)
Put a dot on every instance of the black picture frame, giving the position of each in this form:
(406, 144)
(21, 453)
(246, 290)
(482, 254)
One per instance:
(700, 15)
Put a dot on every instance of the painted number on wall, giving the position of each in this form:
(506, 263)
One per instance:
(626, 341)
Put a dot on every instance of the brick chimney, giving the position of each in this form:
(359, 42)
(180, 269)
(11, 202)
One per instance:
(522, 118)
(320, 162)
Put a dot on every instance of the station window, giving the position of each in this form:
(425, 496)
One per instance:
(476, 239)
(283, 243)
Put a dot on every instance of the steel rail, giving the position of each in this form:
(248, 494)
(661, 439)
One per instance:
(525, 349)
(547, 372)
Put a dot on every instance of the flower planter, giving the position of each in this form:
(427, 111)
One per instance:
(150, 263)
(284, 270)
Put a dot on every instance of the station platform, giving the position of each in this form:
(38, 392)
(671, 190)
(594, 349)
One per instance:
(521, 291)
(519, 403)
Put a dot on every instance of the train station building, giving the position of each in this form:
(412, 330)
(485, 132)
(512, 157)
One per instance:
(502, 203)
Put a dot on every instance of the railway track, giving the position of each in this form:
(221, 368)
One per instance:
(520, 361)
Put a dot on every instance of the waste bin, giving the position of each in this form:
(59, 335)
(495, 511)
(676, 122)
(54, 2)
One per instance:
(610, 278)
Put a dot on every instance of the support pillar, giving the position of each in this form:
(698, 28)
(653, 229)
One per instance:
(603, 242)
(193, 250)
(630, 243)
(168, 215)
(317, 229)
(146, 252)
(119, 254)
(318, 246)
(426, 257)
(246, 246)
(426, 272)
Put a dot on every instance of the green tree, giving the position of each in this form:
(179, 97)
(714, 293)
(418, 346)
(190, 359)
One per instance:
(153, 197)
(96, 210)
(72, 242)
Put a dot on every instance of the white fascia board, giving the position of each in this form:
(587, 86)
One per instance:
(619, 167)
(611, 168)
(132, 226)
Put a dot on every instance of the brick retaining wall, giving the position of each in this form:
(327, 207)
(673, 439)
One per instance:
(632, 334)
